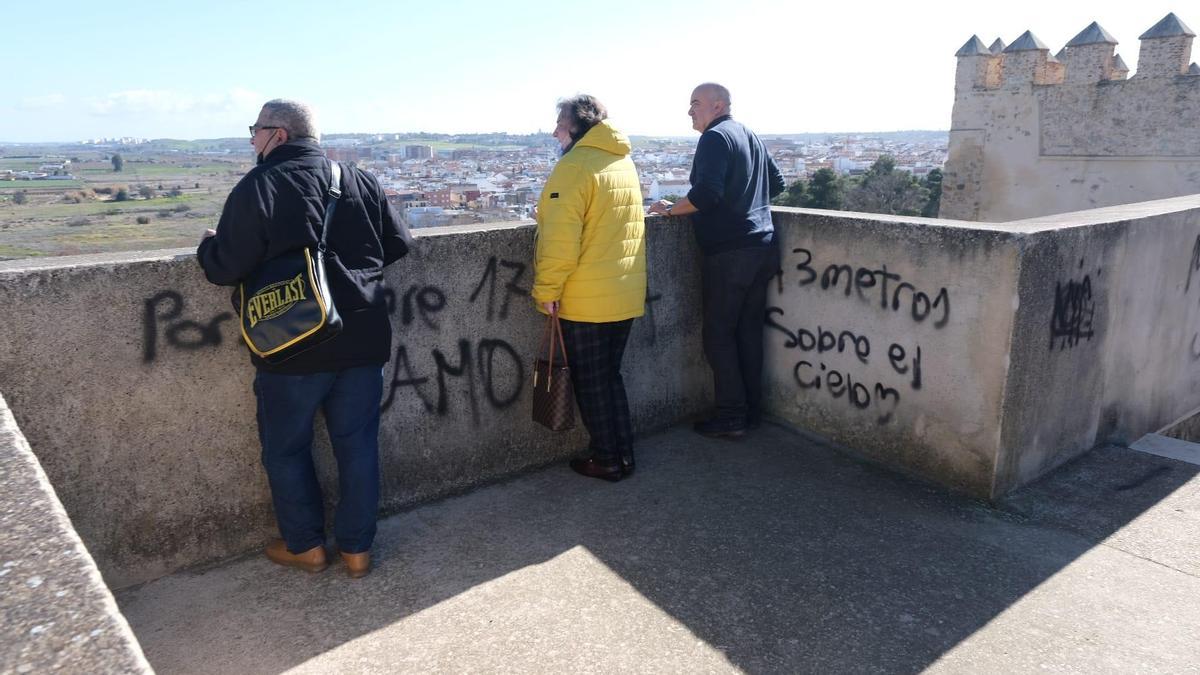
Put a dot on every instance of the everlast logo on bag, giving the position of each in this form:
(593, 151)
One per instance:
(274, 300)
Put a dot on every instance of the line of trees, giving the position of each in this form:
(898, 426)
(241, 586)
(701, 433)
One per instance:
(882, 189)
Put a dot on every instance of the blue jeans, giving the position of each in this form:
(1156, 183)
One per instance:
(286, 407)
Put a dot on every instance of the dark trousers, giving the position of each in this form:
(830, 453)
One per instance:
(594, 352)
(735, 305)
(286, 407)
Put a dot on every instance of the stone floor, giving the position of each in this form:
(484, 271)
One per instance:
(772, 554)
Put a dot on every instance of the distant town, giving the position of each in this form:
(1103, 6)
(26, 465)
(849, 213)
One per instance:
(156, 190)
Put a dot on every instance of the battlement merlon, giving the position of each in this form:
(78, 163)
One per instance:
(1089, 58)
(1028, 61)
(1166, 49)
(978, 67)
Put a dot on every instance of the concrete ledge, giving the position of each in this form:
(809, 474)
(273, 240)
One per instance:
(57, 613)
(1171, 448)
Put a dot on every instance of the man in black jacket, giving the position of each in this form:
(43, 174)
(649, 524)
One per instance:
(733, 180)
(279, 206)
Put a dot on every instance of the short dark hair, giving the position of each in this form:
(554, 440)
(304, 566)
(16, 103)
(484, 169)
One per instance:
(583, 112)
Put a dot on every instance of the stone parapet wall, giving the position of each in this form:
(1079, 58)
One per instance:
(129, 378)
(977, 356)
(981, 356)
(889, 336)
(1106, 339)
(56, 614)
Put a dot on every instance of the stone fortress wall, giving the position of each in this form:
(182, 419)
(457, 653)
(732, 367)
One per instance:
(1035, 134)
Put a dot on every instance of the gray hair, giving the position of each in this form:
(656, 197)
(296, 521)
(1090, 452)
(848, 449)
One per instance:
(295, 117)
(719, 92)
(583, 112)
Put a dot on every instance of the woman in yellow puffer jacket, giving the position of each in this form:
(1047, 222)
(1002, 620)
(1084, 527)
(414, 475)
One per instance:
(590, 270)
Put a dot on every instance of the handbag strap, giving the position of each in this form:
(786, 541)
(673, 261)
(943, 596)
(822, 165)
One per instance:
(335, 193)
(553, 328)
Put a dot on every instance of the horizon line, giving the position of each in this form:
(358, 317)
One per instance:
(480, 133)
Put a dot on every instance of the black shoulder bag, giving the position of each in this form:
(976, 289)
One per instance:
(286, 307)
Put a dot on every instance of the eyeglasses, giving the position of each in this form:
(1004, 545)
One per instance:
(254, 129)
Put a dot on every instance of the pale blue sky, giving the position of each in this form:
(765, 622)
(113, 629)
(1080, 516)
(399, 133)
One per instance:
(79, 70)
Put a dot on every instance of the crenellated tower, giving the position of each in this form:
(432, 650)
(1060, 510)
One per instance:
(1034, 133)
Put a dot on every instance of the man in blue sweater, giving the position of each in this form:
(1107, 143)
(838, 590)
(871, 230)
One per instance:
(733, 180)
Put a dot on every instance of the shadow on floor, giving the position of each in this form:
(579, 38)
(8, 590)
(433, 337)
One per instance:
(782, 554)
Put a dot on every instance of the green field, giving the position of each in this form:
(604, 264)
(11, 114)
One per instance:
(49, 223)
(133, 170)
(40, 185)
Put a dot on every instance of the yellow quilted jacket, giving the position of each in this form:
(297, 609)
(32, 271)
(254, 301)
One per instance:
(591, 245)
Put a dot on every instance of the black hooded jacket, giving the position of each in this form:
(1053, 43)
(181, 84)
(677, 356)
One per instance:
(279, 206)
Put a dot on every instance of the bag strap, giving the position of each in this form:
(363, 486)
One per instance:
(553, 327)
(335, 193)
(561, 344)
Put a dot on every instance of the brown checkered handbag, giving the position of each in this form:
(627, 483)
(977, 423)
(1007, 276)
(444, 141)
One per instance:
(553, 397)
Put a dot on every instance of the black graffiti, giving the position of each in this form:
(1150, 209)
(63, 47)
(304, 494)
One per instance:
(463, 368)
(480, 372)
(1074, 311)
(166, 308)
(389, 300)
(487, 355)
(409, 380)
(897, 355)
(511, 287)
(652, 334)
(425, 302)
(822, 340)
(841, 383)
(893, 290)
(1194, 265)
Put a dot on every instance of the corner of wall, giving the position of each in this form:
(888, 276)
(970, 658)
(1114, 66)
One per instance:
(1001, 469)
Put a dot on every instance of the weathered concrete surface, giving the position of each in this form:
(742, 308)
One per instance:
(890, 336)
(771, 555)
(130, 381)
(1105, 345)
(55, 612)
(979, 356)
(1166, 446)
(1186, 428)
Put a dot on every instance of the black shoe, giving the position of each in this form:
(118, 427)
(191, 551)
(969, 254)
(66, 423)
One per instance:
(721, 428)
(627, 465)
(592, 469)
(753, 417)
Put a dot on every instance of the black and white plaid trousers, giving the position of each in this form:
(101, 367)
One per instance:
(594, 352)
